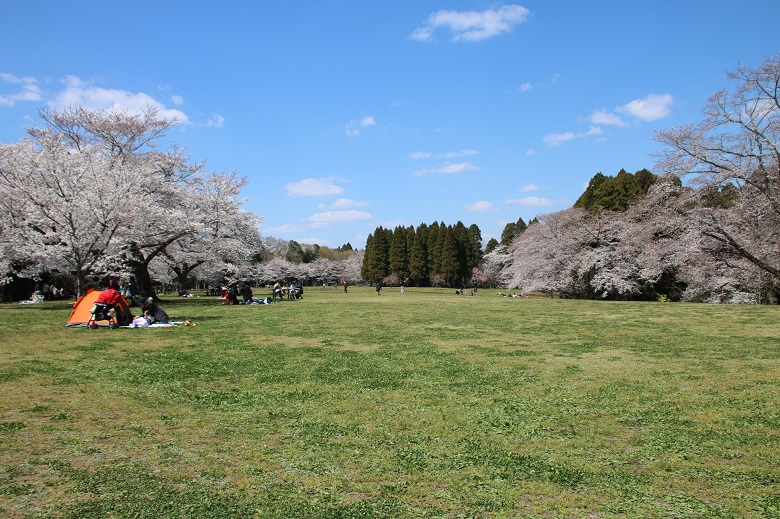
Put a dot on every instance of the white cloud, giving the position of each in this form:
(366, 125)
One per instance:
(448, 155)
(472, 25)
(216, 121)
(556, 139)
(329, 217)
(529, 188)
(649, 108)
(283, 229)
(28, 90)
(346, 203)
(177, 100)
(480, 206)
(604, 117)
(82, 94)
(526, 87)
(530, 152)
(313, 187)
(447, 169)
(530, 201)
(356, 126)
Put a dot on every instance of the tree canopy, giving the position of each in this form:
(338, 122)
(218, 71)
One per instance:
(615, 193)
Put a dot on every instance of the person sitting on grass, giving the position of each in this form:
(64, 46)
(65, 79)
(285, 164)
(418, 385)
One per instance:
(246, 293)
(153, 313)
(232, 296)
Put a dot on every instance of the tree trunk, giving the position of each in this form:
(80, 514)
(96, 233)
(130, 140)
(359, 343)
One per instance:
(140, 268)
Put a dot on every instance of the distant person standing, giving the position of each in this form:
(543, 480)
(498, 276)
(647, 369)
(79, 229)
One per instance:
(379, 288)
(403, 284)
(345, 286)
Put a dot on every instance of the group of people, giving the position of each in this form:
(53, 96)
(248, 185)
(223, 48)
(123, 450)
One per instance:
(112, 298)
(241, 294)
(53, 293)
(291, 291)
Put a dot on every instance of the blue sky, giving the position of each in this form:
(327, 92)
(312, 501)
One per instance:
(346, 115)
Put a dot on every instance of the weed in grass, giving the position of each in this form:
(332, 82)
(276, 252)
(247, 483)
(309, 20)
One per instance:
(11, 427)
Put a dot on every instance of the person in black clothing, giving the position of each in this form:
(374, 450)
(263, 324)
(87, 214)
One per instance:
(154, 313)
(232, 295)
(246, 293)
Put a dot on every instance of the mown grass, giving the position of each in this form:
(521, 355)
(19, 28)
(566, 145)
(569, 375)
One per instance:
(421, 405)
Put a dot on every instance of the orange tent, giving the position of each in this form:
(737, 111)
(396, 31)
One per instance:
(80, 314)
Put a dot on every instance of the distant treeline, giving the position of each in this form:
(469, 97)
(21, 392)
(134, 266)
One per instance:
(429, 255)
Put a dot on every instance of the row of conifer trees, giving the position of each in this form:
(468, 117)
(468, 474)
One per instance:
(429, 255)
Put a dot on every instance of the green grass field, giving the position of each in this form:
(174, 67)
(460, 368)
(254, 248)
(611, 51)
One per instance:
(422, 405)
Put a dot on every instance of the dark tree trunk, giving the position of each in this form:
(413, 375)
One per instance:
(140, 268)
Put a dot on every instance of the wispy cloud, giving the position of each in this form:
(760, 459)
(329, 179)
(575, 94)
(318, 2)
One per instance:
(530, 201)
(556, 139)
(314, 187)
(480, 206)
(529, 188)
(283, 229)
(447, 169)
(344, 203)
(216, 121)
(330, 217)
(649, 108)
(448, 155)
(472, 25)
(81, 93)
(355, 127)
(526, 87)
(27, 89)
(608, 118)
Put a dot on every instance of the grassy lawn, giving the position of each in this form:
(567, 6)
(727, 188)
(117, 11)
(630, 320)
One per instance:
(417, 405)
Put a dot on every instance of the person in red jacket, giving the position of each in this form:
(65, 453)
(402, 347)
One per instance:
(111, 295)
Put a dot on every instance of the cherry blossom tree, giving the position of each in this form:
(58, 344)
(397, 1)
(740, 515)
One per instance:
(493, 265)
(227, 237)
(736, 149)
(65, 201)
(90, 192)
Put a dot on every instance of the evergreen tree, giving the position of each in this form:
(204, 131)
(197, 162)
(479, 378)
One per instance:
(433, 237)
(294, 252)
(475, 236)
(491, 245)
(376, 261)
(418, 260)
(438, 250)
(615, 193)
(449, 266)
(587, 200)
(464, 248)
(512, 231)
(399, 256)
